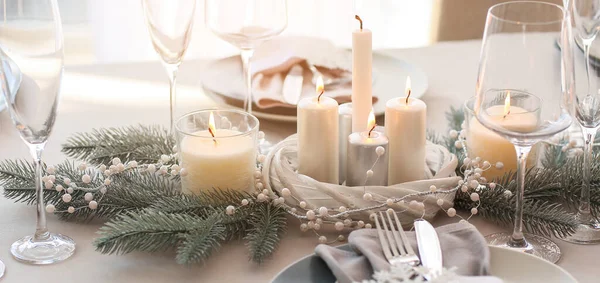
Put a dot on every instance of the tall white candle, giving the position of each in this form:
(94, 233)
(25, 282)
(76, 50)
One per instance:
(362, 61)
(228, 163)
(405, 127)
(318, 137)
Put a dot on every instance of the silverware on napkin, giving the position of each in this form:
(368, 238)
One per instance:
(430, 250)
(292, 85)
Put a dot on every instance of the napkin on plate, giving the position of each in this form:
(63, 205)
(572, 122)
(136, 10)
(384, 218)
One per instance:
(462, 245)
(274, 59)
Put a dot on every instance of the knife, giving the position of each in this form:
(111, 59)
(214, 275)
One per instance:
(292, 85)
(430, 251)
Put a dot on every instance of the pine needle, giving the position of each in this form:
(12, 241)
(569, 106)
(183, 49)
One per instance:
(268, 226)
(198, 245)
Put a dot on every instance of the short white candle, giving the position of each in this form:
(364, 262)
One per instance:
(405, 127)
(226, 162)
(318, 137)
(363, 156)
(362, 67)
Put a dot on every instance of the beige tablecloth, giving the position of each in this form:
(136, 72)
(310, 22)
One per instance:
(115, 95)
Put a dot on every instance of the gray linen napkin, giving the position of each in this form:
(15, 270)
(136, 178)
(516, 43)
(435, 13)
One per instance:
(462, 245)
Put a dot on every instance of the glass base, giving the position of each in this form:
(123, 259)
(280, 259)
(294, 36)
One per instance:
(535, 245)
(55, 248)
(585, 234)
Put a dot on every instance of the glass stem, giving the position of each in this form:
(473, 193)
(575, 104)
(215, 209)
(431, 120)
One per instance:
(246, 56)
(517, 239)
(172, 73)
(584, 204)
(41, 231)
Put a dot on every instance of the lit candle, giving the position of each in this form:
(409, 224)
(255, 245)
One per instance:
(362, 61)
(345, 124)
(362, 157)
(217, 158)
(318, 137)
(490, 146)
(405, 127)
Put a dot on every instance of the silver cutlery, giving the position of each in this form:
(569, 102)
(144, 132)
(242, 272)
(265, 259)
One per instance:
(292, 85)
(430, 251)
(395, 244)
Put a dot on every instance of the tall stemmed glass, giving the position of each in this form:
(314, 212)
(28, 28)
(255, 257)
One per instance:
(246, 24)
(586, 16)
(170, 26)
(31, 37)
(524, 94)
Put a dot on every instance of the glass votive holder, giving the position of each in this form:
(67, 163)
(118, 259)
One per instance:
(490, 146)
(217, 149)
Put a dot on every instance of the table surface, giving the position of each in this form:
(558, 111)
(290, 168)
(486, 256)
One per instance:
(123, 94)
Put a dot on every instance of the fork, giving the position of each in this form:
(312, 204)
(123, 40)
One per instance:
(395, 245)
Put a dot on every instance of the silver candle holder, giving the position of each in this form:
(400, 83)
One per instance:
(345, 122)
(367, 158)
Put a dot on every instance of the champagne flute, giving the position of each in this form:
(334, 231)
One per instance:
(31, 37)
(170, 25)
(586, 16)
(246, 24)
(524, 94)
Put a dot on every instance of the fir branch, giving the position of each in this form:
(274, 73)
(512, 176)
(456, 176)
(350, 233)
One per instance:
(141, 143)
(147, 230)
(268, 226)
(198, 245)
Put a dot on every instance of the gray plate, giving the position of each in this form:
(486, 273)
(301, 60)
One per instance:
(309, 269)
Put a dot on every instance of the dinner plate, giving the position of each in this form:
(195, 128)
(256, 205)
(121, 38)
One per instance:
(222, 80)
(13, 77)
(509, 265)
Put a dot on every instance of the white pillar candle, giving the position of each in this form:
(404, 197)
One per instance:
(228, 163)
(318, 137)
(362, 61)
(492, 147)
(405, 127)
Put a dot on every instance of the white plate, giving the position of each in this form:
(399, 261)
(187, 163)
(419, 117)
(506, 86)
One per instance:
(222, 79)
(509, 265)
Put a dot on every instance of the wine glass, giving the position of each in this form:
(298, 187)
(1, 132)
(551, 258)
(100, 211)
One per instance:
(524, 94)
(586, 17)
(31, 37)
(170, 26)
(246, 24)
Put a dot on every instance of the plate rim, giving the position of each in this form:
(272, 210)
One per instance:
(289, 118)
(347, 245)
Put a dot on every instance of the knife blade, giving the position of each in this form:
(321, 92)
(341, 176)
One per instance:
(430, 251)
(292, 85)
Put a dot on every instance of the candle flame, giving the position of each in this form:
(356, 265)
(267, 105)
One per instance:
(320, 88)
(211, 126)
(371, 123)
(507, 104)
(407, 89)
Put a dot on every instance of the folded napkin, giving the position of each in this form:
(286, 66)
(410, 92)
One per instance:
(462, 245)
(274, 59)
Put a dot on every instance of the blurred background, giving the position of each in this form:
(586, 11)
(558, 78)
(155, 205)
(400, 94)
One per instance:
(108, 31)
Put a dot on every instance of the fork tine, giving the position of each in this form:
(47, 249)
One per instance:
(384, 244)
(407, 245)
(393, 245)
(396, 235)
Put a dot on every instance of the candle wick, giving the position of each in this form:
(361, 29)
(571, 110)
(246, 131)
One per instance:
(319, 97)
(210, 130)
(371, 130)
(506, 114)
(359, 19)
(408, 95)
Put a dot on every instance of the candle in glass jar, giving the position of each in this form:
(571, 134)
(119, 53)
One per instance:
(362, 66)
(217, 158)
(318, 137)
(492, 147)
(363, 157)
(405, 127)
